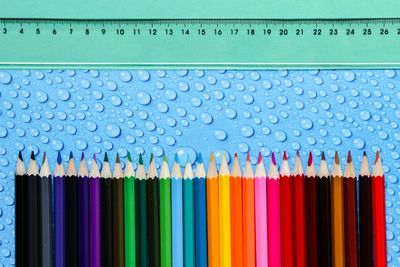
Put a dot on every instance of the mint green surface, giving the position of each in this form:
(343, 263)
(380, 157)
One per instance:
(198, 43)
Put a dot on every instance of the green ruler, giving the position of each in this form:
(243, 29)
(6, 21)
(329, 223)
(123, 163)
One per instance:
(199, 42)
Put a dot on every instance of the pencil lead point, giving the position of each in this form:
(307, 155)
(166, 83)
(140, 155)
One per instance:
(259, 158)
(364, 153)
(32, 155)
(337, 161)
(212, 157)
(20, 155)
(323, 156)
(71, 155)
(59, 159)
(273, 159)
(349, 158)
(199, 158)
(187, 159)
(298, 153)
(151, 157)
(285, 155)
(82, 156)
(117, 160)
(94, 157)
(176, 158)
(377, 155)
(310, 159)
(165, 157)
(236, 155)
(248, 157)
(140, 159)
(105, 157)
(129, 157)
(44, 158)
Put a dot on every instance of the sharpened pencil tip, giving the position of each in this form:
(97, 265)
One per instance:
(129, 157)
(212, 157)
(364, 153)
(235, 155)
(323, 156)
(44, 158)
(94, 157)
(59, 159)
(187, 159)
(285, 155)
(176, 158)
(82, 156)
(117, 160)
(199, 158)
(298, 153)
(105, 157)
(165, 157)
(349, 159)
(259, 158)
(273, 159)
(140, 159)
(71, 155)
(32, 155)
(377, 155)
(151, 157)
(337, 161)
(310, 159)
(248, 157)
(20, 155)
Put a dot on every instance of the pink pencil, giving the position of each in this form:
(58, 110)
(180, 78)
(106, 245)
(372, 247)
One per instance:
(274, 215)
(260, 197)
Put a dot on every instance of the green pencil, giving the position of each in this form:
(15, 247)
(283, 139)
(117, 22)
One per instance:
(141, 215)
(188, 216)
(165, 215)
(129, 214)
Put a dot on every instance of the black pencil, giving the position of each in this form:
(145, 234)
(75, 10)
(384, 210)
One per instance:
(46, 225)
(142, 256)
(106, 214)
(118, 215)
(20, 213)
(153, 215)
(33, 252)
(365, 214)
(71, 213)
(324, 215)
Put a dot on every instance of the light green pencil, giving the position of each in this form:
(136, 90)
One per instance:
(129, 214)
(165, 215)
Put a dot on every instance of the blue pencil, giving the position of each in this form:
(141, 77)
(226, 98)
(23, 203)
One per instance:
(177, 214)
(200, 209)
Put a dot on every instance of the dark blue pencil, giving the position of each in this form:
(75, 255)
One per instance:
(200, 209)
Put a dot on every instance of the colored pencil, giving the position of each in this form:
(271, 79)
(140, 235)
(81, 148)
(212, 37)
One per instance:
(324, 215)
(129, 214)
(153, 216)
(177, 214)
(165, 215)
(286, 186)
(236, 213)
(33, 219)
(260, 196)
(200, 206)
(274, 214)
(378, 213)
(213, 237)
(83, 214)
(46, 224)
(59, 214)
(118, 215)
(365, 214)
(338, 255)
(188, 216)
(350, 213)
(224, 213)
(249, 251)
(310, 192)
(20, 212)
(142, 254)
(106, 198)
(94, 214)
(300, 255)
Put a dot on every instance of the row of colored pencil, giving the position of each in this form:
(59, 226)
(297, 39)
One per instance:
(225, 218)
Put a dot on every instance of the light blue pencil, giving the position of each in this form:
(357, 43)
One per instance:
(177, 214)
(188, 215)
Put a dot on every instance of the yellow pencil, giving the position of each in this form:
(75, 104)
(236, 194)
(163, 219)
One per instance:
(224, 214)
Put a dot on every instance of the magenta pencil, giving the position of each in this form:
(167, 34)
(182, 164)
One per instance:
(260, 198)
(274, 214)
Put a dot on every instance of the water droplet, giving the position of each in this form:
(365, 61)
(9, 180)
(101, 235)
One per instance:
(349, 76)
(125, 76)
(41, 96)
(280, 136)
(113, 130)
(246, 131)
(143, 97)
(220, 134)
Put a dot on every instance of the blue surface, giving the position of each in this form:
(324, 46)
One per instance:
(191, 111)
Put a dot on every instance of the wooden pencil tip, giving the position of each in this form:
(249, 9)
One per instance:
(337, 161)
(199, 158)
(248, 157)
(323, 156)
(117, 160)
(165, 157)
(20, 155)
(94, 157)
(310, 159)
(273, 159)
(212, 157)
(129, 157)
(105, 157)
(82, 156)
(236, 155)
(32, 155)
(59, 159)
(188, 159)
(44, 158)
(285, 155)
(349, 158)
(176, 158)
(140, 159)
(364, 153)
(71, 155)
(259, 159)
(298, 153)
(377, 155)
(151, 157)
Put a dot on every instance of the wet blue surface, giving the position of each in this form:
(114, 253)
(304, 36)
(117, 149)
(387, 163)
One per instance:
(192, 111)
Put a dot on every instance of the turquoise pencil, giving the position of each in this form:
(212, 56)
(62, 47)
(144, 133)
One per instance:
(188, 216)
(177, 214)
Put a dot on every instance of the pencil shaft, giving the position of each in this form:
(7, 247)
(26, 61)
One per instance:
(274, 222)
(213, 236)
(225, 221)
(153, 221)
(83, 221)
(94, 220)
(286, 221)
(188, 223)
(379, 219)
(106, 222)
(200, 204)
(300, 255)
(337, 222)
(248, 224)
(365, 221)
(324, 222)
(20, 220)
(236, 221)
(118, 223)
(310, 189)
(177, 221)
(142, 253)
(350, 218)
(260, 196)
(129, 217)
(33, 217)
(165, 223)
(59, 217)
(46, 225)
(71, 224)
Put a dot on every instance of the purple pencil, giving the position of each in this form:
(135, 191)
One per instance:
(59, 213)
(83, 214)
(94, 218)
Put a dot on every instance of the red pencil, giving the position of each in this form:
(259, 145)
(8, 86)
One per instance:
(286, 214)
(299, 214)
(378, 213)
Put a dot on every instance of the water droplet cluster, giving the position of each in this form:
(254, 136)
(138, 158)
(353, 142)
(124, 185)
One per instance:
(191, 111)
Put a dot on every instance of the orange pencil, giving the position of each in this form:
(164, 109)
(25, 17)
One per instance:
(212, 214)
(249, 240)
(236, 214)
